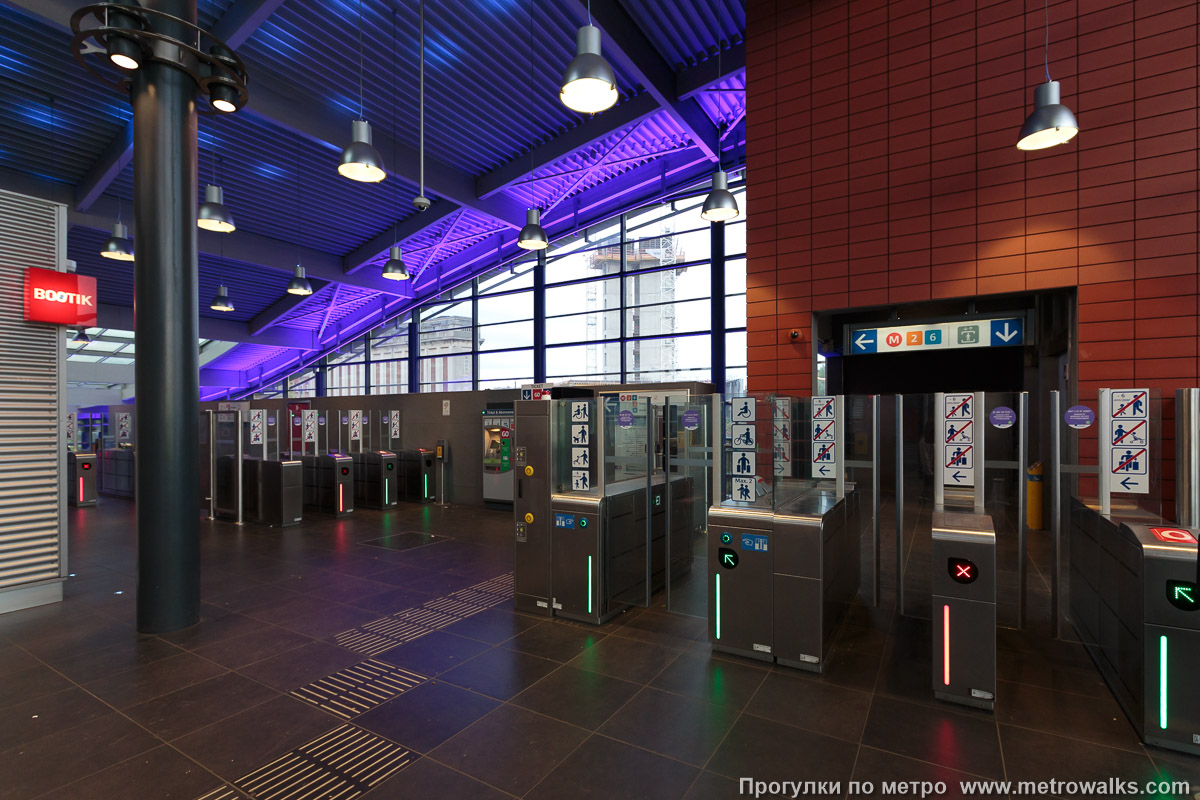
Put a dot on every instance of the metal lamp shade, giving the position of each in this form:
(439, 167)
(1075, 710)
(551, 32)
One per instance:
(221, 301)
(213, 215)
(118, 246)
(223, 97)
(81, 337)
(589, 85)
(123, 51)
(395, 268)
(720, 205)
(360, 160)
(533, 235)
(299, 284)
(1050, 124)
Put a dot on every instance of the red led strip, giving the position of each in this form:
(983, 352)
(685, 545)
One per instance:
(81, 489)
(341, 508)
(946, 644)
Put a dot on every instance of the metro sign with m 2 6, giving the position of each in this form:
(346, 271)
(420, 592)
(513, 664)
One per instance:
(1005, 332)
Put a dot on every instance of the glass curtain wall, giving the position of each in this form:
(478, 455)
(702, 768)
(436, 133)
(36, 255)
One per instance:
(627, 301)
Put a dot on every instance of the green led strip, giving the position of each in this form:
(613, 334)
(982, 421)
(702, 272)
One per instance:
(589, 584)
(426, 495)
(1162, 682)
(718, 577)
(385, 491)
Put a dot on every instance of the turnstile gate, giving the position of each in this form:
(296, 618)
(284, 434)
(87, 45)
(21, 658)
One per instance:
(81, 479)
(376, 479)
(329, 483)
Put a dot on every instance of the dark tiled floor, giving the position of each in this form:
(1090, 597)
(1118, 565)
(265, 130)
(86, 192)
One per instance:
(504, 704)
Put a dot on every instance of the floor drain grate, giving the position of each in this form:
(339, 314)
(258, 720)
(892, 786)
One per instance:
(356, 690)
(407, 540)
(340, 765)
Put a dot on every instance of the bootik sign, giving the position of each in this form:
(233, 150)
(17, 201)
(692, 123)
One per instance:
(62, 298)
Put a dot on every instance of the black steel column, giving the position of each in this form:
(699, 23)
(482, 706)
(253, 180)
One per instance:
(539, 318)
(717, 249)
(621, 283)
(414, 352)
(167, 364)
(320, 380)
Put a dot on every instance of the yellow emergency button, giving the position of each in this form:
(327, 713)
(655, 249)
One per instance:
(528, 518)
(529, 472)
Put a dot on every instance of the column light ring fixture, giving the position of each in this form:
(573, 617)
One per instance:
(127, 30)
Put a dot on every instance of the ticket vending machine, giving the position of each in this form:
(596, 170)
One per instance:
(81, 477)
(497, 455)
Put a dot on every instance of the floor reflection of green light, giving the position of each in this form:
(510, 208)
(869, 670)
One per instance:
(718, 684)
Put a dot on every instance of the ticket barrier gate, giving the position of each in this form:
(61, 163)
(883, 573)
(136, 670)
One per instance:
(597, 527)
(376, 479)
(598, 564)
(273, 491)
(118, 467)
(963, 553)
(1135, 604)
(783, 579)
(329, 483)
(417, 474)
(81, 475)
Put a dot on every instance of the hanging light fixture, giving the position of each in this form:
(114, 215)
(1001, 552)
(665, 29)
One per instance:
(123, 51)
(223, 96)
(299, 284)
(395, 269)
(589, 84)
(81, 337)
(213, 215)
(221, 301)
(1051, 123)
(118, 246)
(720, 205)
(533, 235)
(360, 160)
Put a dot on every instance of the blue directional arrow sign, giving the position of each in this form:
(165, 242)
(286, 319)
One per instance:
(958, 476)
(1007, 332)
(823, 470)
(1129, 483)
(864, 341)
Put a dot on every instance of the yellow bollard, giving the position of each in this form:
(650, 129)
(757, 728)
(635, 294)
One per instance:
(1033, 497)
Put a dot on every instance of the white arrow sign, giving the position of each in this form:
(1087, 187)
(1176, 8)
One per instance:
(1007, 335)
(863, 339)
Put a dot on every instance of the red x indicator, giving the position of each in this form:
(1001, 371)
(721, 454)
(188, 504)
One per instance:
(962, 571)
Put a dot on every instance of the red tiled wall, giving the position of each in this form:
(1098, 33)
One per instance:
(883, 169)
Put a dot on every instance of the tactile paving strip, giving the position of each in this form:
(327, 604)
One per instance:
(221, 793)
(404, 626)
(357, 689)
(340, 765)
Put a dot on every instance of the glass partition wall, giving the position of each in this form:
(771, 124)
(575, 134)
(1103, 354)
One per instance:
(629, 300)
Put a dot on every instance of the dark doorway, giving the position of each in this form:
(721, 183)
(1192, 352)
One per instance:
(1000, 369)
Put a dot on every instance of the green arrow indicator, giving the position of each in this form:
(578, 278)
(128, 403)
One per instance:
(1185, 592)
(1182, 595)
(729, 560)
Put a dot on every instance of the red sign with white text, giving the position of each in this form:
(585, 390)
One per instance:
(63, 298)
(1173, 535)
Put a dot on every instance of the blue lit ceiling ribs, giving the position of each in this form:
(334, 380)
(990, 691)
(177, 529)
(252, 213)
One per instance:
(483, 115)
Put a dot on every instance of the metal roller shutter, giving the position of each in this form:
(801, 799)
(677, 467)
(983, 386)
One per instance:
(31, 385)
